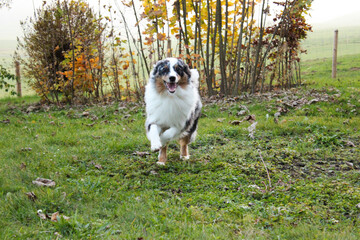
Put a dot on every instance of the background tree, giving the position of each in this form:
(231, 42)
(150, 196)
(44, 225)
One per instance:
(73, 53)
(62, 54)
(5, 3)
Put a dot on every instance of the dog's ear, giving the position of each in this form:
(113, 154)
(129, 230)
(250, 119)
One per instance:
(156, 68)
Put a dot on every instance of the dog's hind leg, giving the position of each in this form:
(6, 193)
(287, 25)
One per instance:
(162, 155)
(184, 150)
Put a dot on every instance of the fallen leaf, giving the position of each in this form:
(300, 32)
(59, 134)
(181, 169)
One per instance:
(350, 144)
(350, 164)
(315, 100)
(30, 109)
(236, 122)
(141, 154)
(250, 118)
(54, 216)
(6, 121)
(58, 235)
(220, 119)
(98, 166)
(153, 172)
(91, 124)
(85, 114)
(44, 182)
(22, 166)
(31, 196)
(241, 113)
(42, 215)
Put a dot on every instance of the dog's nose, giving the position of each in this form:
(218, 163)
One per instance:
(172, 79)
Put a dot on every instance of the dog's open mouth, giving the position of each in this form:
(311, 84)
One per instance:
(171, 86)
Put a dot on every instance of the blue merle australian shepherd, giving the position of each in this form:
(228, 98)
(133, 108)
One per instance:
(173, 106)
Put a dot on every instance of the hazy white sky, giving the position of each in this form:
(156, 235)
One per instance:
(322, 11)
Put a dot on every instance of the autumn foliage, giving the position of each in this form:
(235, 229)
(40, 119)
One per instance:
(74, 54)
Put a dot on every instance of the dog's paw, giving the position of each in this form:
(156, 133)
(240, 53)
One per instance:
(155, 147)
(160, 163)
(185, 157)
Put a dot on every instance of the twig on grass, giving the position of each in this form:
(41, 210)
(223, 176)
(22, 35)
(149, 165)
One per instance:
(267, 171)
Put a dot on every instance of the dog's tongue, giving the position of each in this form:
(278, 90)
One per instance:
(171, 87)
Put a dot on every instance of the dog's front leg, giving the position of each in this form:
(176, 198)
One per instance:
(153, 136)
(168, 135)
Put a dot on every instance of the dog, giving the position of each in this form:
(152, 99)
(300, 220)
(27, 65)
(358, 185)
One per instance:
(173, 106)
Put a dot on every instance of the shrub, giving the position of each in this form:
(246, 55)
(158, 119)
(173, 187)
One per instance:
(62, 51)
(5, 76)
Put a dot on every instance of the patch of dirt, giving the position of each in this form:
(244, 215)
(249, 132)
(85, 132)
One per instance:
(355, 69)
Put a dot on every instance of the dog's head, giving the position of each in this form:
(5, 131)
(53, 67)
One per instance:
(169, 74)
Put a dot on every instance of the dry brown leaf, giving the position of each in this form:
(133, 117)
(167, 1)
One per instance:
(43, 182)
(85, 114)
(250, 118)
(42, 215)
(350, 164)
(98, 166)
(22, 166)
(91, 124)
(30, 109)
(58, 235)
(313, 101)
(141, 154)
(241, 113)
(31, 196)
(350, 144)
(236, 122)
(54, 216)
(6, 121)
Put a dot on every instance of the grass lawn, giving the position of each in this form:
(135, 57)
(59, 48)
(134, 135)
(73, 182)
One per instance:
(108, 191)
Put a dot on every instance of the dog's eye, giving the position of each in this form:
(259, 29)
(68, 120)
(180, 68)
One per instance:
(163, 70)
(179, 70)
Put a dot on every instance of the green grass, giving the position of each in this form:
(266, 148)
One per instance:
(222, 192)
(320, 43)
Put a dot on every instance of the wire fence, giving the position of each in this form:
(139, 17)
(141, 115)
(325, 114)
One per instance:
(320, 43)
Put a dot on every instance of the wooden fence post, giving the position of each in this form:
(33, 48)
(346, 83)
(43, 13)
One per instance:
(18, 78)
(334, 63)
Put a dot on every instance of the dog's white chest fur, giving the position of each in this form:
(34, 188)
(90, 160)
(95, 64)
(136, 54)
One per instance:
(169, 110)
